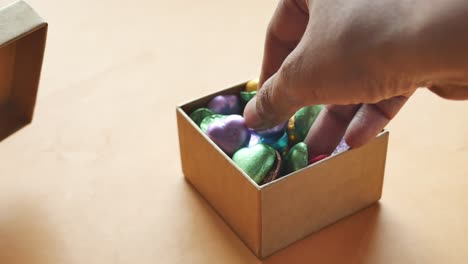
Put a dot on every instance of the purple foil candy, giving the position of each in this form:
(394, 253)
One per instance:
(273, 133)
(230, 133)
(225, 105)
(341, 147)
(254, 138)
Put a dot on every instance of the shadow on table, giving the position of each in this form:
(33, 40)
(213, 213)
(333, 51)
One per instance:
(9, 123)
(214, 237)
(25, 238)
(346, 241)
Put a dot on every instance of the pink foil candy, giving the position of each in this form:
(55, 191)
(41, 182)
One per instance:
(318, 158)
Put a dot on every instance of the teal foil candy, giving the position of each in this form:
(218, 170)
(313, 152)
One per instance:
(296, 159)
(280, 144)
(198, 115)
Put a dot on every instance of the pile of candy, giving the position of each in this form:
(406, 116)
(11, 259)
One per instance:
(263, 155)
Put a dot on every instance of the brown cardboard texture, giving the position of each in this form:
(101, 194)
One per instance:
(272, 216)
(22, 43)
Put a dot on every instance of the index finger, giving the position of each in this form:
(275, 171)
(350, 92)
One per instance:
(285, 31)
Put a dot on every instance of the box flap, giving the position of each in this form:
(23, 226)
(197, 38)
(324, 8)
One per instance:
(17, 20)
(22, 43)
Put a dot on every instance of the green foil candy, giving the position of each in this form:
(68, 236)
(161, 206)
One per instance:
(296, 159)
(256, 161)
(301, 122)
(198, 115)
(206, 122)
(247, 96)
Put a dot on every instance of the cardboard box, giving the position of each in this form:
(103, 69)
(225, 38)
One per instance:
(22, 43)
(272, 216)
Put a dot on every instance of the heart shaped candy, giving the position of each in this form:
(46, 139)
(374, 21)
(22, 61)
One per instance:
(275, 171)
(225, 105)
(198, 115)
(299, 124)
(296, 159)
(206, 122)
(252, 85)
(229, 133)
(278, 144)
(273, 133)
(247, 96)
(256, 161)
(254, 138)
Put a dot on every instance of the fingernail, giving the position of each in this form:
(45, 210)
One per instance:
(252, 119)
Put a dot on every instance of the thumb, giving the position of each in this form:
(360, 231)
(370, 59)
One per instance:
(272, 105)
(276, 101)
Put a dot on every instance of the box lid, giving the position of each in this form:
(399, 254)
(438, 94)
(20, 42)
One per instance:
(22, 43)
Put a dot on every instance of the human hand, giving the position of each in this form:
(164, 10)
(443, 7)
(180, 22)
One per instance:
(363, 59)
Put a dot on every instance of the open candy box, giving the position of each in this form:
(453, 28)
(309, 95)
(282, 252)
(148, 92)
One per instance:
(263, 184)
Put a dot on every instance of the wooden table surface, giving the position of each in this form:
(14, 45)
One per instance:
(96, 178)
